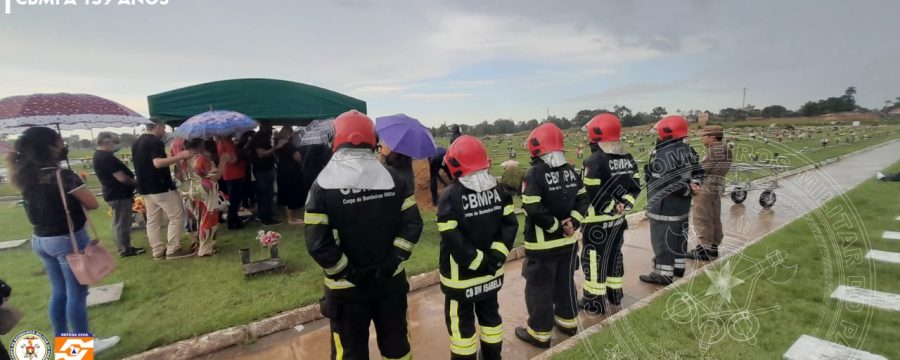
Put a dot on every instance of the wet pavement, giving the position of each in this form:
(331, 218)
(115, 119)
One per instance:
(743, 223)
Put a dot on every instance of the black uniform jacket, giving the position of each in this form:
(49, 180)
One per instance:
(477, 230)
(549, 196)
(673, 166)
(356, 232)
(610, 179)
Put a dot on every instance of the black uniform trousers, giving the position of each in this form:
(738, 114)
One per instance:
(601, 262)
(669, 240)
(550, 294)
(460, 316)
(351, 312)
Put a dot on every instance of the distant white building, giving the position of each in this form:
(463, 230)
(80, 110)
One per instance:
(893, 111)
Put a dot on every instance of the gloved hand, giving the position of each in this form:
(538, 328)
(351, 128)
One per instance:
(389, 266)
(360, 276)
(495, 260)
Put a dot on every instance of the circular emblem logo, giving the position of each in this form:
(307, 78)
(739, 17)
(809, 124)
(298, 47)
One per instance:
(30, 345)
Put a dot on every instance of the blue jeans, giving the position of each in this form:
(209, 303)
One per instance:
(68, 298)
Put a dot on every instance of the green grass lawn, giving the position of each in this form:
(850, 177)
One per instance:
(805, 306)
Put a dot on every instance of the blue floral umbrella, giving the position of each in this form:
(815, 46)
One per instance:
(215, 123)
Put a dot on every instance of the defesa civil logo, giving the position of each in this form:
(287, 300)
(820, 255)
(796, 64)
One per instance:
(78, 346)
(30, 345)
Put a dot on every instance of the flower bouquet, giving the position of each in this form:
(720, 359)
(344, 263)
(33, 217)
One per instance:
(270, 240)
(139, 208)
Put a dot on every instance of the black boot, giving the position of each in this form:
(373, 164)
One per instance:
(595, 306)
(567, 331)
(703, 254)
(655, 278)
(614, 296)
(523, 335)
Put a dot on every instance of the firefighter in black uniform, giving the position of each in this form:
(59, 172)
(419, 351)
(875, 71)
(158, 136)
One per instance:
(478, 227)
(362, 222)
(673, 175)
(552, 195)
(612, 181)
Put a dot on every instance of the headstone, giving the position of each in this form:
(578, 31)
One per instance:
(105, 294)
(6, 245)
(884, 256)
(812, 348)
(264, 266)
(891, 235)
(878, 299)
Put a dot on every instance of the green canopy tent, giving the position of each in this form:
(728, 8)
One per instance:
(275, 102)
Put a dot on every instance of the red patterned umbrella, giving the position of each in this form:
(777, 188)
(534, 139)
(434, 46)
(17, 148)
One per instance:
(64, 111)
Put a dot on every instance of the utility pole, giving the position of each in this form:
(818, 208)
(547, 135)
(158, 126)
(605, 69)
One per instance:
(744, 99)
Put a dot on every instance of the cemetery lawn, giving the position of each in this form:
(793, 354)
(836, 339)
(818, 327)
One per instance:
(806, 307)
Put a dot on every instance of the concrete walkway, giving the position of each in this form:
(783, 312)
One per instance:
(744, 223)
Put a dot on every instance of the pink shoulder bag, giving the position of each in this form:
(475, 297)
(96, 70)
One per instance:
(93, 263)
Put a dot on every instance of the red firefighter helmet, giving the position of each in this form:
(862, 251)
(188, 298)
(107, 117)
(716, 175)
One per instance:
(672, 127)
(353, 129)
(604, 127)
(545, 138)
(465, 156)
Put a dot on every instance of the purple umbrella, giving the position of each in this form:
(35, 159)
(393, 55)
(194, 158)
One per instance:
(406, 136)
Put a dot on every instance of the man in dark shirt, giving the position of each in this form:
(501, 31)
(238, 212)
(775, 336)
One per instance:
(118, 190)
(436, 164)
(263, 160)
(154, 182)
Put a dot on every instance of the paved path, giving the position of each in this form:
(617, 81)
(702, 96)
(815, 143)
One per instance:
(743, 223)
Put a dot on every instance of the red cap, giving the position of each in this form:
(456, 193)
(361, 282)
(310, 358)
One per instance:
(604, 127)
(465, 156)
(353, 129)
(672, 127)
(545, 138)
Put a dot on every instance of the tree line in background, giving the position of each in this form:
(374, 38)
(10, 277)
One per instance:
(76, 142)
(843, 103)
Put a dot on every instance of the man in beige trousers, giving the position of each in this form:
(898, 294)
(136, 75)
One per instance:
(706, 208)
(154, 183)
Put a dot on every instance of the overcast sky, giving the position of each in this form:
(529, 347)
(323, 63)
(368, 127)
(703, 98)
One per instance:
(467, 61)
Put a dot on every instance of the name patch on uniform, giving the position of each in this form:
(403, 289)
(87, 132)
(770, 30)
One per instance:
(556, 179)
(481, 203)
(484, 288)
(620, 164)
(362, 197)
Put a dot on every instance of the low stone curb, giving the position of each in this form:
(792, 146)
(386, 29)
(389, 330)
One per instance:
(221, 339)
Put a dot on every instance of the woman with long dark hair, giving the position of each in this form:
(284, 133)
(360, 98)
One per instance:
(33, 170)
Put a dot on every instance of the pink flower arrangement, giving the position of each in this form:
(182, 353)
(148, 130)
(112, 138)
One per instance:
(268, 238)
